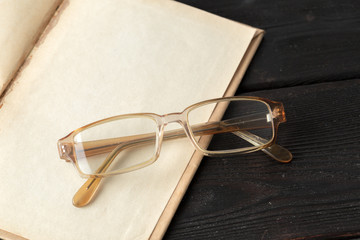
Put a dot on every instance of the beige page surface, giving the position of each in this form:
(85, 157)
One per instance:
(105, 58)
(21, 22)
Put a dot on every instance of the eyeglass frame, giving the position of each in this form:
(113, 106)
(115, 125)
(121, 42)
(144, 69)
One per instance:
(65, 144)
(87, 191)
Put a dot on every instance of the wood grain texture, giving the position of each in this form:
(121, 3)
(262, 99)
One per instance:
(305, 42)
(317, 196)
(309, 60)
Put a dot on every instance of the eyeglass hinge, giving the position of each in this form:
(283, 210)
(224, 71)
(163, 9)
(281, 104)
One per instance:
(65, 151)
(279, 113)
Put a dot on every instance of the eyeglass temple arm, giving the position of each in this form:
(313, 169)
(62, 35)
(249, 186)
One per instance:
(96, 147)
(89, 188)
(242, 124)
(92, 148)
(275, 151)
(87, 191)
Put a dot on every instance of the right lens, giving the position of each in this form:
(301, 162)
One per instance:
(248, 124)
(117, 144)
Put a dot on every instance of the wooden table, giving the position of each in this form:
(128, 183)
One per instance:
(310, 60)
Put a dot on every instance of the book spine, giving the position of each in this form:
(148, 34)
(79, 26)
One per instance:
(48, 23)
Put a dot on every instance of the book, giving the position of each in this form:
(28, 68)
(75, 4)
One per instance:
(92, 60)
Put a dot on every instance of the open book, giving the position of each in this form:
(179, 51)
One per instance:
(66, 63)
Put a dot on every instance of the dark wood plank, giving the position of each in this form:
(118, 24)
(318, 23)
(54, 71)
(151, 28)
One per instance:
(306, 41)
(317, 196)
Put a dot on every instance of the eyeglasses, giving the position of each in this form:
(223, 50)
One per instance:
(124, 143)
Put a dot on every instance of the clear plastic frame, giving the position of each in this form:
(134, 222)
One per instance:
(129, 142)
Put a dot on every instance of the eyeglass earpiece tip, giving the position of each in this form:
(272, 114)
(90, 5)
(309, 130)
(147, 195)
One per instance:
(86, 193)
(279, 153)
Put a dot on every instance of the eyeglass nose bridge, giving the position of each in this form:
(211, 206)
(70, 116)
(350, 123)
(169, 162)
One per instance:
(178, 117)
